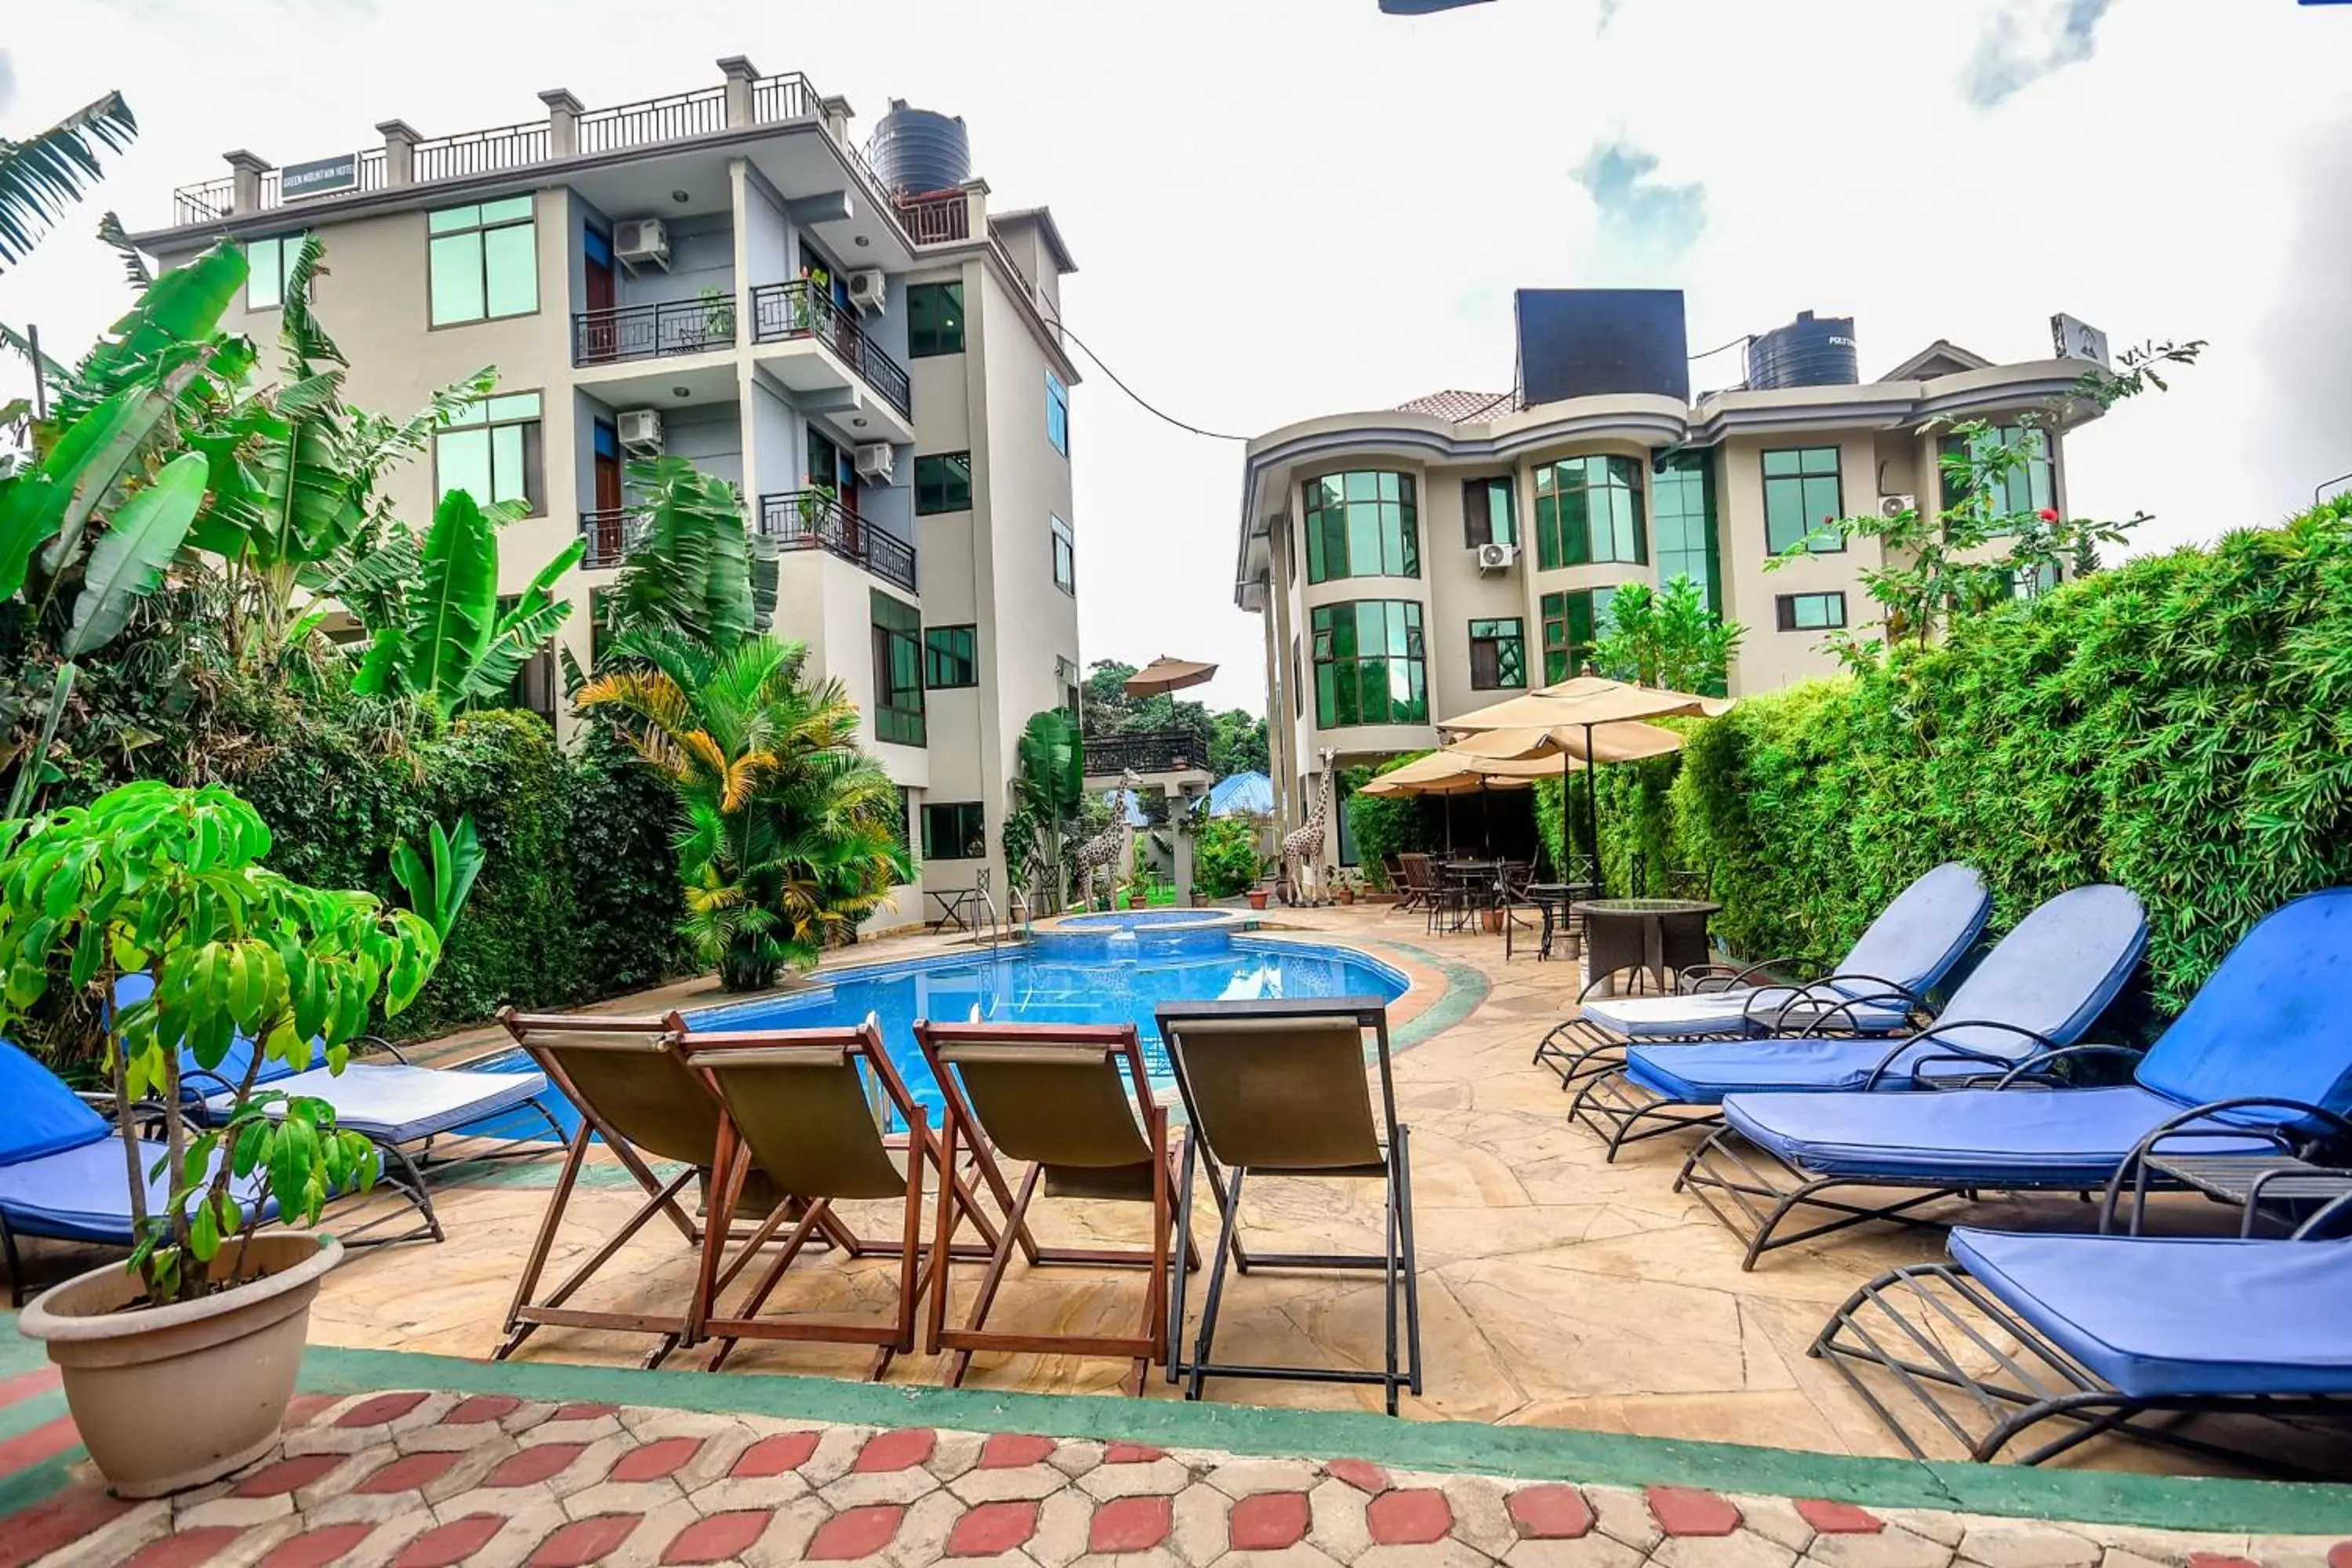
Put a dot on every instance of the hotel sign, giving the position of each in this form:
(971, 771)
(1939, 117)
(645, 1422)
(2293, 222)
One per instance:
(2071, 339)
(320, 177)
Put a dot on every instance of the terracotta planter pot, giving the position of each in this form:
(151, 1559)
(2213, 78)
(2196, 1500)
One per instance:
(171, 1398)
(1257, 898)
(1492, 920)
(1135, 901)
(1346, 895)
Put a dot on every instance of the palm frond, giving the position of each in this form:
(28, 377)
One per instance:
(41, 176)
(135, 270)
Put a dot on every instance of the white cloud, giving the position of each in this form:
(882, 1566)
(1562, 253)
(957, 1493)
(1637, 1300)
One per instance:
(2027, 40)
(1645, 226)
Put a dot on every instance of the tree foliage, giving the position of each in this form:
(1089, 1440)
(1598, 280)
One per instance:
(693, 572)
(41, 174)
(1668, 638)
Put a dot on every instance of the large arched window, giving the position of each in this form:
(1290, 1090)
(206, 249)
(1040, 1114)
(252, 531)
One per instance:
(1361, 524)
(1369, 664)
(1589, 509)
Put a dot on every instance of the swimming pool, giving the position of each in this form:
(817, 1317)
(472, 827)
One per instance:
(1087, 982)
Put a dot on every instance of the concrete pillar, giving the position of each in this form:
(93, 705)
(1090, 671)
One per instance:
(975, 209)
(1180, 809)
(244, 176)
(563, 123)
(741, 73)
(834, 113)
(400, 139)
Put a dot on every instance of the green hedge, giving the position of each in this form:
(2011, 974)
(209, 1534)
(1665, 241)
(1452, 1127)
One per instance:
(2181, 725)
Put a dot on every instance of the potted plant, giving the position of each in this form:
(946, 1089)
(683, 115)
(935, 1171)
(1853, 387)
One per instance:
(1343, 886)
(177, 1367)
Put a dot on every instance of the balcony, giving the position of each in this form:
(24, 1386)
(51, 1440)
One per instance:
(628, 332)
(1172, 752)
(815, 520)
(785, 313)
(611, 534)
(939, 219)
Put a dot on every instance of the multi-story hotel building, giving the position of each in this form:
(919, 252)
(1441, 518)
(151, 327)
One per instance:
(865, 350)
(1420, 562)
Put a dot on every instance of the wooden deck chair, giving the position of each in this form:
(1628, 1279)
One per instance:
(1065, 1100)
(1278, 1087)
(800, 1107)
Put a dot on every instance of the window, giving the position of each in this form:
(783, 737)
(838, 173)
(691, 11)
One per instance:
(1057, 414)
(1802, 492)
(1682, 510)
(491, 451)
(942, 483)
(1589, 509)
(1497, 655)
(603, 622)
(483, 261)
(1809, 612)
(1487, 512)
(898, 671)
(950, 657)
(1362, 524)
(1572, 623)
(532, 690)
(934, 320)
(955, 832)
(1298, 686)
(269, 267)
(1066, 557)
(1369, 664)
(2030, 486)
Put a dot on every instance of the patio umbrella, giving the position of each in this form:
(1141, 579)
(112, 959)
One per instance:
(1164, 675)
(1449, 773)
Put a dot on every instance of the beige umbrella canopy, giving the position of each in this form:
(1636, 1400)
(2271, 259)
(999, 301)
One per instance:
(1450, 773)
(1623, 743)
(1164, 675)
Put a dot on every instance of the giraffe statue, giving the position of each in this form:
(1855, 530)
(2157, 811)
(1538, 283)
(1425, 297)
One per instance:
(1305, 844)
(1111, 846)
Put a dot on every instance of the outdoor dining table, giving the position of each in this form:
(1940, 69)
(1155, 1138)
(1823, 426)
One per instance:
(1463, 881)
(1655, 934)
(1555, 899)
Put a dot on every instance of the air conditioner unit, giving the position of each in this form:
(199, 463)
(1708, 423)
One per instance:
(641, 242)
(868, 290)
(641, 431)
(1498, 557)
(873, 462)
(1891, 507)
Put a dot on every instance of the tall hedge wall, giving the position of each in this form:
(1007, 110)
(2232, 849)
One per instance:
(2181, 725)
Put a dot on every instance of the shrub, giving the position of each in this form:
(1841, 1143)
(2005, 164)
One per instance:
(1225, 856)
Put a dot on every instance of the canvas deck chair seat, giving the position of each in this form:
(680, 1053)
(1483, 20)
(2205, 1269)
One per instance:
(1878, 989)
(2045, 983)
(2096, 1333)
(1074, 1105)
(1278, 1089)
(805, 1107)
(63, 1176)
(2259, 1060)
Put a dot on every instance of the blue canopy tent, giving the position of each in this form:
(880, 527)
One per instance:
(1250, 793)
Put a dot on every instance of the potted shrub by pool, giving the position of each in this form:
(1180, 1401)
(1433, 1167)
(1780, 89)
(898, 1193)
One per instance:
(177, 1367)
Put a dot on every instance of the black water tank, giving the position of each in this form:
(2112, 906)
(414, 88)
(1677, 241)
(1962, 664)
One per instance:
(917, 152)
(1808, 351)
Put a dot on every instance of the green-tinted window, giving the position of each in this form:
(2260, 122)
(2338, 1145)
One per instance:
(1682, 511)
(2030, 486)
(1572, 623)
(533, 689)
(958, 831)
(1802, 493)
(491, 451)
(1498, 655)
(483, 261)
(1362, 524)
(1369, 664)
(1809, 612)
(934, 320)
(950, 657)
(898, 671)
(942, 483)
(266, 263)
(1589, 509)
(1488, 512)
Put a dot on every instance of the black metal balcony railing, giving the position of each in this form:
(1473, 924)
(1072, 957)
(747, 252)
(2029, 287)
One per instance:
(651, 332)
(611, 534)
(815, 520)
(797, 309)
(1172, 752)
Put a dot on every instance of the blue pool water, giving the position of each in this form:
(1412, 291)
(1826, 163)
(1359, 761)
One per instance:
(1082, 980)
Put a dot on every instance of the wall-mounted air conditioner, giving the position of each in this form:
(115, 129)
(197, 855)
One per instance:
(1498, 557)
(641, 242)
(1891, 507)
(868, 290)
(641, 431)
(873, 462)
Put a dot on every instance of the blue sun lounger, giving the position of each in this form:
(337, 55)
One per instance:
(2260, 1061)
(1879, 989)
(62, 1173)
(2098, 1332)
(2038, 990)
(396, 1106)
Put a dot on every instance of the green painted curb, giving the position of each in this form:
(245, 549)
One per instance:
(36, 1484)
(1523, 1452)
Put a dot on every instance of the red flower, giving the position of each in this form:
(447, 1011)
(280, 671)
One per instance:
(2049, 514)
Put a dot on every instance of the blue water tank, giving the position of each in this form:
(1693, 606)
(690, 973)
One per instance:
(917, 152)
(1808, 351)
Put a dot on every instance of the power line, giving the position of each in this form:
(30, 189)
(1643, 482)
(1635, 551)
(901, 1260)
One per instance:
(1141, 402)
(1718, 348)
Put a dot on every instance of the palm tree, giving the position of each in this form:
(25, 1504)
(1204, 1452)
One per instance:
(40, 176)
(789, 835)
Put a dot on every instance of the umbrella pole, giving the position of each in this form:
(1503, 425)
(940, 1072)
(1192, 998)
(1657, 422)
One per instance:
(1592, 807)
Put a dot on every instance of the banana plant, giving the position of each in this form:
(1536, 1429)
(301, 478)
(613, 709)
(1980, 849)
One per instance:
(40, 175)
(438, 889)
(440, 639)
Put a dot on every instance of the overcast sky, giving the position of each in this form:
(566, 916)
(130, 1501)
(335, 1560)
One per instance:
(1283, 208)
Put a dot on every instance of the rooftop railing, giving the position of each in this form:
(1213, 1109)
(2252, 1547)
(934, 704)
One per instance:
(937, 219)
(478, 152)
(815, 520)
(797, 309)
(1172, 752)
(655, 120)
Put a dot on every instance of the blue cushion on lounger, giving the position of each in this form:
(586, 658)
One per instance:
(1914, 943)
(43, 1116)
(83, 1194)
(1727, 1012)
(398, 1104)
(1975, 1137)
(2157, 1317)
(133, 988)
(1701, 1072)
